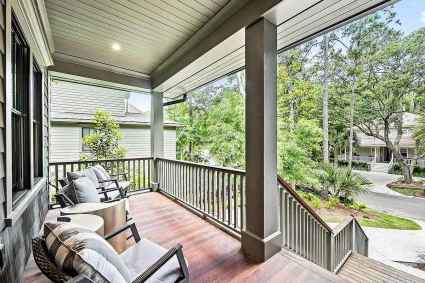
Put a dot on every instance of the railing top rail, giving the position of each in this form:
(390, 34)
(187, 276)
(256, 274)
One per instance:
(100, 160)
(294, 194)
(237, 171)
(342, 225)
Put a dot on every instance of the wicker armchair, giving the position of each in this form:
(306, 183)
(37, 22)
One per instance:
(48, 267)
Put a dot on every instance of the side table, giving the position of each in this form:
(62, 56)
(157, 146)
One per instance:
(90, 221)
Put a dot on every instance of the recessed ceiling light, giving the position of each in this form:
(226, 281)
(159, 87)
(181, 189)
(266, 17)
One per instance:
(116, 46)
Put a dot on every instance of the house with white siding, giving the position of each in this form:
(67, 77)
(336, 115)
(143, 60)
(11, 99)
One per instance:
(73, 105)
(375, 152)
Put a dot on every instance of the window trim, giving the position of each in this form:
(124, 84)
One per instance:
(84, 148)
(21, 110)
(38, 49)
(37, 164)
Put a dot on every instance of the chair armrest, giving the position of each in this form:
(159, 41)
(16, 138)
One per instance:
(107, 181)
(64, 200)
(130, 225)
(120, 174)
(123, 192)
(81, 278)
(175, 251)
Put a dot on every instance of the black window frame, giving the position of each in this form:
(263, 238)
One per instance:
(89, 131)
(20, 112)
(37, 121)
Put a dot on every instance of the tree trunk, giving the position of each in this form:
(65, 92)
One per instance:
(407, 172)
(291, 116)
(325, 100)
(241, 82)
(351, 137)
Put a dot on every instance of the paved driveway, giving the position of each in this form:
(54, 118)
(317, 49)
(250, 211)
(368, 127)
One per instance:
(396, 205)
(381, 198)
(380, 181)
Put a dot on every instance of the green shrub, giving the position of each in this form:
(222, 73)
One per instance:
(417, 171)
(340, 181)
(332, 203)
(355, 164)
(315, 202)
(359, 206)
(311, 199)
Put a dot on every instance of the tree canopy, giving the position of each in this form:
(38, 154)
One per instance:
(361, 77)
(103, 142)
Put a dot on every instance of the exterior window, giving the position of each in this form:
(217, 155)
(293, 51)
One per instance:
(403, 152)
(86, 132)
(37, 123)
(20, 112)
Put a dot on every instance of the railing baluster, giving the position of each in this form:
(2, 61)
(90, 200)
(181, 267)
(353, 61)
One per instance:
(149, 173)
(235, 199)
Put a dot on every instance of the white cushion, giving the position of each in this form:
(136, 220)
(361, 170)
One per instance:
(77, 250)
(141, 256)
(85, 190)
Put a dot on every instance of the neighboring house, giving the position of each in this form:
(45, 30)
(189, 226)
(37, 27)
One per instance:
(373, 150)
(73, 105)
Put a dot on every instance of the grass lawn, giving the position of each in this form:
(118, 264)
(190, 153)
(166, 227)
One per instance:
(367, 217)
(408, 191)
(371, 218)
(387, 221)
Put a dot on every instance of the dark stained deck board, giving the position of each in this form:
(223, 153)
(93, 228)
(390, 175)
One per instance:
(212, 255)
(359, 268)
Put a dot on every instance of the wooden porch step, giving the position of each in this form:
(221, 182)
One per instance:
(363, 269)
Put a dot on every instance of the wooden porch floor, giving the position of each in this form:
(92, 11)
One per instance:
(212, 255)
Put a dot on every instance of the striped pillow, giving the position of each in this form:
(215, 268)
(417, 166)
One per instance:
(77, 250)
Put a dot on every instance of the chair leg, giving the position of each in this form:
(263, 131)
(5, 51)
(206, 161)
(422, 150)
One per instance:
(183, 266)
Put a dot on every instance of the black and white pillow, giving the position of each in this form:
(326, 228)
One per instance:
(77, 250)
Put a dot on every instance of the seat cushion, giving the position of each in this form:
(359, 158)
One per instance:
(85, 190)
(121, 184)
(141, 256)
(77, 250)
(89, 172)
(102, 175)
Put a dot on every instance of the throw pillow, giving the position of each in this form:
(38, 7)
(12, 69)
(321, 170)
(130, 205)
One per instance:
(102, 175)
(89, 172)
(85, 190)
(77, 250)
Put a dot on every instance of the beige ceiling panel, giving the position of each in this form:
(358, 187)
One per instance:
(147, 31)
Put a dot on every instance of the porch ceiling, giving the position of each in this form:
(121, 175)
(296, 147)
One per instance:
(181, 45)
(297, 20)
(147, 31)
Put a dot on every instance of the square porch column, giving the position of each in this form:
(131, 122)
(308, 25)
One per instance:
(157, 132)
(261, 236)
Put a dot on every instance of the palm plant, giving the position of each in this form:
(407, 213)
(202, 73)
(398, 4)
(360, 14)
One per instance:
(340, 181)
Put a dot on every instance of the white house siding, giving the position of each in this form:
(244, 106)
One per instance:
(137, 141)
(170, 143)
(69, 97)
(66, 142)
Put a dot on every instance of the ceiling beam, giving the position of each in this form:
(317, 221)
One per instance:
(230, 19)
(99, 74)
